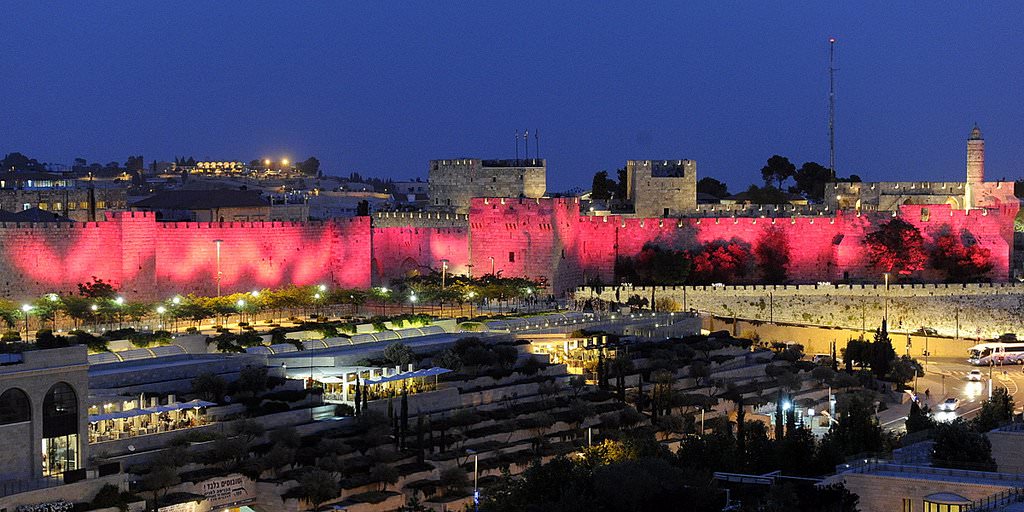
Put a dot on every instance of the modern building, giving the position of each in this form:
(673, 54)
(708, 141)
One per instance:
(884, 487)
(661, 188)
(453, 183)
(42, 413)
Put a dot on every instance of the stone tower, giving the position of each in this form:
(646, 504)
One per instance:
(975, 157)
(975, 166)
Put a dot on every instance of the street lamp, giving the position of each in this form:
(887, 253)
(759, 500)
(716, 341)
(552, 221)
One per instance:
(476, 479)
(444, 272)
(412, 302)
(26, 309)
(218, 242)
(119, 302)
(160, 310)
(241, 308)
(492, 264)
(885, 317)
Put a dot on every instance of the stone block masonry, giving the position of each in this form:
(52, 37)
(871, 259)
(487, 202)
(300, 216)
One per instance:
(544, 239)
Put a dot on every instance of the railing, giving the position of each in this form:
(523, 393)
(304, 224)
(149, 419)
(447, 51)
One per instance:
(996, 500)
(10, 487)
(872, 466)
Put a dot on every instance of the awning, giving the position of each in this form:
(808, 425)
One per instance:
(331, 380)
(426, 372)
(118, 415)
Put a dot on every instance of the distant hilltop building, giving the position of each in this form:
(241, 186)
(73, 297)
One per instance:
(453, 183)
(975, 192)
(661, 188)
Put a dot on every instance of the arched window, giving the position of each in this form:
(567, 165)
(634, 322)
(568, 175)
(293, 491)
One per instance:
(60, 411)
(60, 430)
(14, 407)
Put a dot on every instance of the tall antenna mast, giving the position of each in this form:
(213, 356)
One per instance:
(517, 147)
(832, 106)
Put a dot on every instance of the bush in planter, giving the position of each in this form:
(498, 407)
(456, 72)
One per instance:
(11, 336)
(344, 410)
(192, 330)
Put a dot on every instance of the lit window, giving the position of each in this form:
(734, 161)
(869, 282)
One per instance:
(44, 206)
(101, 204)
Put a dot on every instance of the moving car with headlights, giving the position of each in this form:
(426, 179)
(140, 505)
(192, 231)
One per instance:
(974, 376)
(950, 404)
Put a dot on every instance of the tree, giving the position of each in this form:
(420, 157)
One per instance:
(903, 370)
(399, 353)
(896, 246)
(309, 166)
(97, 289)
(252, 379)
(453, 480)
(363, 208)
(957, 446)
(318, 486)
(602, 187)
(918, 419)
(779, 169)
(449, 359)
(159, 480)
(856, 430)
(960, 258)
(384, 474)
(811, 179)
(995, 411)
(882, 353)
(209, 387)
(772, 253)
(710, 186)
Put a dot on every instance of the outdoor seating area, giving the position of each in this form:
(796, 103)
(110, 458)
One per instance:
(341, 388)
(134, 422)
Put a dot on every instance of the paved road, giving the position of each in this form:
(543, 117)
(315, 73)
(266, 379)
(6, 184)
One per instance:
(947, 377)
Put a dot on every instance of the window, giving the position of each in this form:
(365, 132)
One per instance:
(44, 206)
(60, 430)
(26, 206)
(101, 204)
(56, 206)
(925, 214)
(84, 205)
(908, 505)
(14, 407)
(511, 257)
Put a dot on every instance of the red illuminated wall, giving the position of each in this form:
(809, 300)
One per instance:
(549, 238)
(537, 238)
(398, 251)
(149, 259)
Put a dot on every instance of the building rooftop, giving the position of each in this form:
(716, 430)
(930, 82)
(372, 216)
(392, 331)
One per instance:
(202, 200)
(32, 215)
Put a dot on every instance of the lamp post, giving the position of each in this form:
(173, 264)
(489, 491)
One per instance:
(492, 264)
(241, 309)
(218, 242)
(384, 298)
(885, 316)
(444, 272)
(412, 302)
(476, 479)
(119, 302)
(175, 301)
(26, 309)
(160, 310)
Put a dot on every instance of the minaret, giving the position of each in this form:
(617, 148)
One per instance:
(975, 165)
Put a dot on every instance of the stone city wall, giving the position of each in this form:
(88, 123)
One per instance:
(966, 310)
(545, 239)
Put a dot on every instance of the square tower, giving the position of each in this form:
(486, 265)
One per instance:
(661, 188)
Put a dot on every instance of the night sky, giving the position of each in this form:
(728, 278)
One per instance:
(380, 88)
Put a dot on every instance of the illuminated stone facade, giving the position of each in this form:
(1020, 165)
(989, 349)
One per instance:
(661, 188)
(453, 183)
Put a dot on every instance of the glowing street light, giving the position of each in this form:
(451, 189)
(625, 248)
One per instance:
(412, 302)
(26, 309)
(284, 162)
(160, 310)
(176, 300)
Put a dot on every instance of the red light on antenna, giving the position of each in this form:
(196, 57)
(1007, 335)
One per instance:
(831, 39)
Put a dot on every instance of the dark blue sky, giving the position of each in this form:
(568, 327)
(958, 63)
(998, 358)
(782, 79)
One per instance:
(381, 88)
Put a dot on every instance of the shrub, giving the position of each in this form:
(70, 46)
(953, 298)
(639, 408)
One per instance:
(11, 336)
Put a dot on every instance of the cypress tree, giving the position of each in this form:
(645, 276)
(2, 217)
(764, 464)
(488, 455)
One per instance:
(404, 416)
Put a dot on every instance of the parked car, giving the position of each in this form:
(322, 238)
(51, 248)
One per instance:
(950, 404)
(974, 376)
